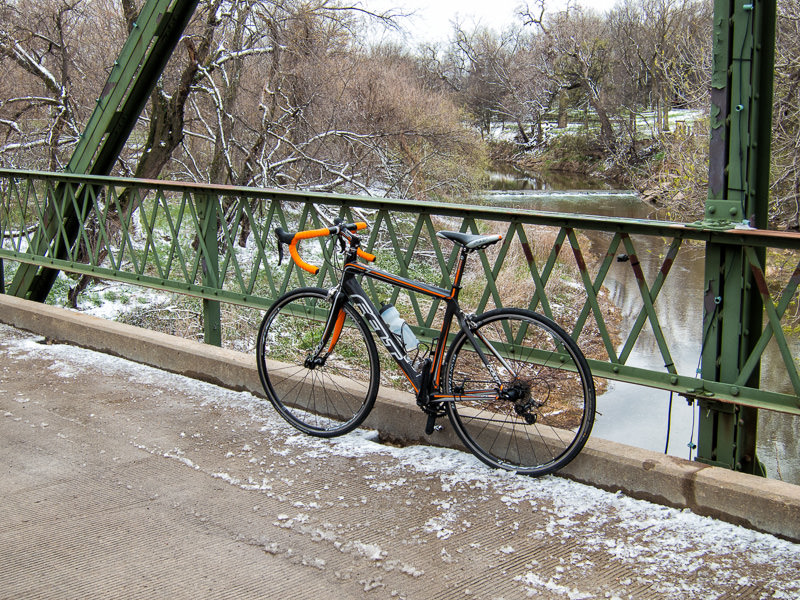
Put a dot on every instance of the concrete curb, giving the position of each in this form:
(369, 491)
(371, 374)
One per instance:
(763, 504)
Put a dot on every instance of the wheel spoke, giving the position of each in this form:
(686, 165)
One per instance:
(540, 413)
(327, 397)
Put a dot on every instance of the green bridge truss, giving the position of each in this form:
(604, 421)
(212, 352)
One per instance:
(184, 238)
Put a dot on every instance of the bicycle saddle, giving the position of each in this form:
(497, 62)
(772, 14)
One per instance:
(468, 240)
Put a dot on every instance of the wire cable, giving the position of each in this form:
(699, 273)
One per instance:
(669, 423)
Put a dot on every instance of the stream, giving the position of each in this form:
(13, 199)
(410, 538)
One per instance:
(637, 415)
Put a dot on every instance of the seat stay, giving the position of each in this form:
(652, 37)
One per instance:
(465, 323)
(497, 355)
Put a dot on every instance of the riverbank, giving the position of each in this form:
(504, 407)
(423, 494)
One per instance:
(668, 170)
(569, 162)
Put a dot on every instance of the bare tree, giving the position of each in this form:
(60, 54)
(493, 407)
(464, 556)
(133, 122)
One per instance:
(291, 100)
(262, 92)
(785, 196)
(529, 90)
(38, 108)
(502, 78)
(580, 56)
(664, 48)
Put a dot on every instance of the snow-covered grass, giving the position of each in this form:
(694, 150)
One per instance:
(646, 125)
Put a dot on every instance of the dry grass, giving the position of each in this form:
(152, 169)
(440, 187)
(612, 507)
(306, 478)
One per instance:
(564, 289)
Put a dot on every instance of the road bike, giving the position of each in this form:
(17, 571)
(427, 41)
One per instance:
(514, 385)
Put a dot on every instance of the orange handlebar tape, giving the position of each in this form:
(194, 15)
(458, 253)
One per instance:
(306, 235)
(365, 255)
(311, 233)
(314, 233)
(299, 261)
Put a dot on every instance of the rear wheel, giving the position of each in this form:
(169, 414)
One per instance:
(530, 411)
(325, 397)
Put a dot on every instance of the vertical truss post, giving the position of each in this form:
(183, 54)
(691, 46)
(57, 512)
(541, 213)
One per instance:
(741, 118)
(209, 262)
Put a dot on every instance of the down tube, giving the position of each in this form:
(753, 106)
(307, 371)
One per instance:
(359, 299)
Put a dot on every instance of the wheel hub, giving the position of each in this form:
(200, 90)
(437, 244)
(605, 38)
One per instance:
(313, 362)
(519, 392)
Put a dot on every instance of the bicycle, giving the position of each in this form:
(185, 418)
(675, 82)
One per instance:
(514, 385)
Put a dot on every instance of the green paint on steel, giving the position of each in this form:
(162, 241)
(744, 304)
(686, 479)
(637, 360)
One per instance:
(648, 300)
(133, 76)
(166, 241)
(539, 297)
(742, 80)
(208, 257)
(592, 292)
(652, 295)
(592, 299)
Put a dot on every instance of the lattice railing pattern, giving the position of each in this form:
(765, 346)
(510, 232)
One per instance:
(217, 243)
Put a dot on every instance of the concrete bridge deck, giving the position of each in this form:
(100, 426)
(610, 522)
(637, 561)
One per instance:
(120, 480)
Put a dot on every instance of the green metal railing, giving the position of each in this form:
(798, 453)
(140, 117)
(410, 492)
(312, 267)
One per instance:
(216, 243)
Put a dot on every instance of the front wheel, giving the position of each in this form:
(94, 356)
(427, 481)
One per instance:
(322, 394)
(529, 406)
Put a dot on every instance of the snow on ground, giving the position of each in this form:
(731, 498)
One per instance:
(646, 125)
(659, 539)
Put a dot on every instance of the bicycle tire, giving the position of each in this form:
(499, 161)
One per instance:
(542, 415)
(324, 400)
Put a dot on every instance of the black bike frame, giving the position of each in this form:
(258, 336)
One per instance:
(349, 289)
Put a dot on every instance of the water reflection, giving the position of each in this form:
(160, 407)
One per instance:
(638, 415)
(517, 181)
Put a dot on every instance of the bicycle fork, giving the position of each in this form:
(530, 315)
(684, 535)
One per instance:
(331, 333)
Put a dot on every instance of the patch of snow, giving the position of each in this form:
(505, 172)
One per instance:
(534, 583)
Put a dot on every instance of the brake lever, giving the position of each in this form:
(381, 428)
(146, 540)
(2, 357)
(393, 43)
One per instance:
(283, 238)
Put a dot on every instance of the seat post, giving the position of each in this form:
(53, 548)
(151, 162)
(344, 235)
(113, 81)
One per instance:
(462, 262)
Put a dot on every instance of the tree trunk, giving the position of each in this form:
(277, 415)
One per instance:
(659, 126)
(562, 110)
(607, 135)
(165, 132)
(523, 135)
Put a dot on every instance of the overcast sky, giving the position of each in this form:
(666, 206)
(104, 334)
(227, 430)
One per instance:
(432, 19)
